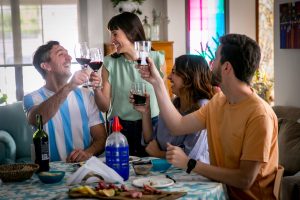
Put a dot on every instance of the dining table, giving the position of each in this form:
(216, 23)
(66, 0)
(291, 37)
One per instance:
(195, 186)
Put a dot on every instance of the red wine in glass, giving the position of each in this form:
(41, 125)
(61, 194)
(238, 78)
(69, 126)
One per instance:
(83, 61)
(95, 65)
(139, 99)
(82, 55)
(96, 61)
(138, 90)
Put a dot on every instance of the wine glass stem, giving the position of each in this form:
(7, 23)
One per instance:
(86, 83)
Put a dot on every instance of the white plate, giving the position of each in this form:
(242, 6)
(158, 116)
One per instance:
(150, 158)
(154, 181)
(133, 159)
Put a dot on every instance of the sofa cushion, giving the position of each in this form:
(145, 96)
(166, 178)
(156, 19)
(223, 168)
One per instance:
(290, 187)
(289, 145)
(13, 120)
(287, 112)
(7, 148)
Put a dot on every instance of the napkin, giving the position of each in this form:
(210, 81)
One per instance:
(96, 167)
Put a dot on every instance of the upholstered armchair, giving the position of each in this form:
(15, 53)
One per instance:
(289, 148)
(15, 134)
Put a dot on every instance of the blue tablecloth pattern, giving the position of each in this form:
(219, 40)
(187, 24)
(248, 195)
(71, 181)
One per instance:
(34, 189)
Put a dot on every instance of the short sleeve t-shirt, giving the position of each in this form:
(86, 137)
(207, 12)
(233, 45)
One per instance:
(244, 131)
(122, 73)
(69, 128)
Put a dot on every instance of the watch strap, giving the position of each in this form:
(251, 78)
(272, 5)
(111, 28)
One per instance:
(191, 165)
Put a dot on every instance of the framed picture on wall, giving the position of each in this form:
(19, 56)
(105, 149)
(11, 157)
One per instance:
(289, 14)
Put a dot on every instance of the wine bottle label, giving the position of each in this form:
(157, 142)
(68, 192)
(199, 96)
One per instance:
(45, 151)
(41, 146)
(45, 157)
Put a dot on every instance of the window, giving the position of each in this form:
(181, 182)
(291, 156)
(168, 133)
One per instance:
(206, 22)
(33, 23)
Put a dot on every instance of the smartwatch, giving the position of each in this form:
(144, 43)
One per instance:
(191, 165)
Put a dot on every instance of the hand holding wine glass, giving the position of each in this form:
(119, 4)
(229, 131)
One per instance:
(138, 90)
(82, 55)
(96, 61)
(143, 49)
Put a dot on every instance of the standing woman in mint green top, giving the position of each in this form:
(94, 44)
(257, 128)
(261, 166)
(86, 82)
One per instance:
(119, 72)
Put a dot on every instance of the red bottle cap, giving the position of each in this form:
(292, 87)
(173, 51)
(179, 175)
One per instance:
(116, 126)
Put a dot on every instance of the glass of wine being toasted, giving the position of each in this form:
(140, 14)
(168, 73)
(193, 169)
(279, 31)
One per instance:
(142, 49)
(96, 61)
(83, 57)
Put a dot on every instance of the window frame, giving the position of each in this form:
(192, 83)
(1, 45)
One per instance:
(17, 37)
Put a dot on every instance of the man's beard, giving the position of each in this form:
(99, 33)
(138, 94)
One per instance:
(216, 78)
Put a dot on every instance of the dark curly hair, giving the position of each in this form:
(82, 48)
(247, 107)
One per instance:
(42, 54)
(196, 76)
(243, 53)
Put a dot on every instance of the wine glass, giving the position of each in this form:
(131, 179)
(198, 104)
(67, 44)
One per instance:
(82, 56)
(142, 48)
(96, 60)
(138, 89)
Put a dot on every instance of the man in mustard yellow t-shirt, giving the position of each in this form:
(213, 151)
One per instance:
(241, 127)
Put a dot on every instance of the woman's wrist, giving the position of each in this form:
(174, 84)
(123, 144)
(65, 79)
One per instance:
(146, 114)
(159, 82)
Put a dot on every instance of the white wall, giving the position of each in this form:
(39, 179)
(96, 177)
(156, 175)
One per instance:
(146, 8)
(174, 10)
(95, 23)
(177, 26)
(242, 17)
(286, 67)
(241, 20)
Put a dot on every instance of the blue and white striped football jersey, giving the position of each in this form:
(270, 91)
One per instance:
(69, 128)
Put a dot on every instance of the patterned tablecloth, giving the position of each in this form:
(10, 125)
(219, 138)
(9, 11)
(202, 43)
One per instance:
(196, 186)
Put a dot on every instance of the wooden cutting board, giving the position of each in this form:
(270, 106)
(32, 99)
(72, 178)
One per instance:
(125, 196)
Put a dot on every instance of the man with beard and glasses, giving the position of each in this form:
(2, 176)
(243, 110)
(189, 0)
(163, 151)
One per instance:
(70, 116)
(241, 127)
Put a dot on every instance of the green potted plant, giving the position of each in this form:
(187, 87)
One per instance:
(3, 98)
(263, 85)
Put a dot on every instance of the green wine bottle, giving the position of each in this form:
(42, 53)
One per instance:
(41, 145)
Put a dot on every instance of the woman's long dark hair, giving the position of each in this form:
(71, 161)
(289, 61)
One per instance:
(130, 24)
(196, 75)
